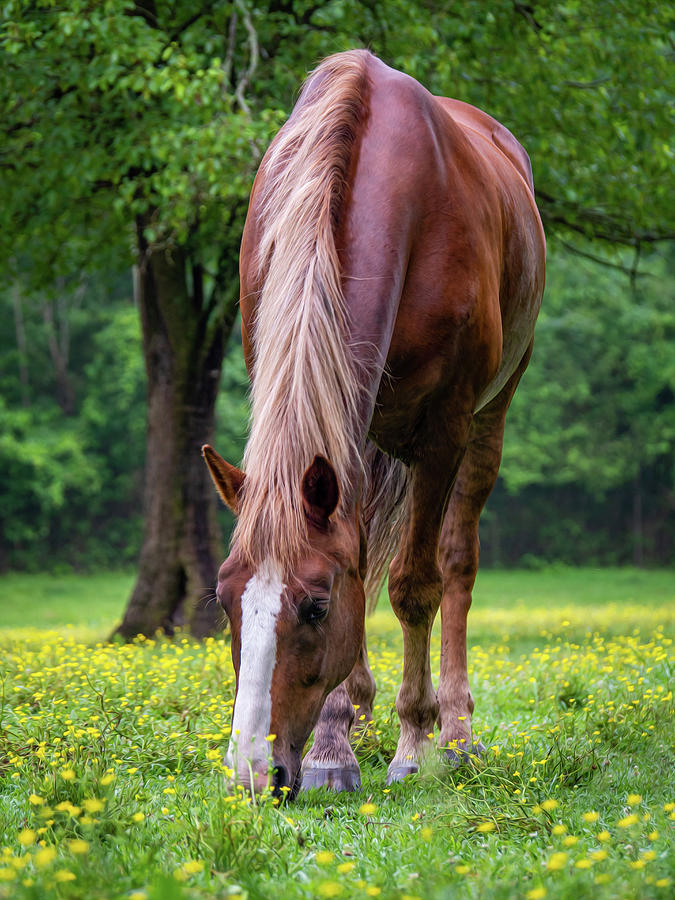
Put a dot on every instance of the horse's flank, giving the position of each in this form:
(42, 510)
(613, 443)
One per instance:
(305, 397)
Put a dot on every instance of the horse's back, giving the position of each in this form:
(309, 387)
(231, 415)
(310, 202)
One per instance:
(442, 234)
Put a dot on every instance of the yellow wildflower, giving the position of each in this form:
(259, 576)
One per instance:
(45, 856)
(628, 821)
(63, 875)
(549, 805)
(330, 888)
(557, 861)
(325, 857)
(78, 846)
(192, 866)
(367, 809)
(26, 837)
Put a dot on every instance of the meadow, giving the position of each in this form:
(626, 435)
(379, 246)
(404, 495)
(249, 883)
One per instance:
(113, 785)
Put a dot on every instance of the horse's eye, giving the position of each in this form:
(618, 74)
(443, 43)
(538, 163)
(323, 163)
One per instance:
(315, 609)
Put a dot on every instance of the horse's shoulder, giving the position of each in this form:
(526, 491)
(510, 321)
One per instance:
(470, 117)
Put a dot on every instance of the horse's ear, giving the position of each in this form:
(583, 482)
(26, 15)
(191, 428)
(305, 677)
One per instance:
(227, 479)
(320, 491)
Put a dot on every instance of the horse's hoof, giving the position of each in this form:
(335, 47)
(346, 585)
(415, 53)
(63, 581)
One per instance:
(334, 778)
(459, 756)
(398, 773)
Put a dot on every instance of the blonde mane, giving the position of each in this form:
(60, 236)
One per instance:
(305, 393)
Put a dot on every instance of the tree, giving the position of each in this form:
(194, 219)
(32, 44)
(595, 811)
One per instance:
(131, 131)
(127, 129)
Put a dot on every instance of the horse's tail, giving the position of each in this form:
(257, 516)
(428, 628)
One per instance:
(306, 390)
(385, 507)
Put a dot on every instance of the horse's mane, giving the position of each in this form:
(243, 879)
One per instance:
(305, 393)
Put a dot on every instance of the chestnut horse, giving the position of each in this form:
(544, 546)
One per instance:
(392, 267)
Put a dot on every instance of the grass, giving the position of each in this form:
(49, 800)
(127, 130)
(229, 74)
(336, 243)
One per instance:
(112, 782)
(91, 603)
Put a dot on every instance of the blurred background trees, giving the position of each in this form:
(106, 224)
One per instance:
(130, 136)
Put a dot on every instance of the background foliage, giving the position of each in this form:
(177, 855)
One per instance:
(121, 112)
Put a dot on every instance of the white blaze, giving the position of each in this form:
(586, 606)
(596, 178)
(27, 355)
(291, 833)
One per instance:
(260, 606)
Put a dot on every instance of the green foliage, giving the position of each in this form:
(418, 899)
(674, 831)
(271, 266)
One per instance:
(70, 479)
(110, 118)
(598, 402)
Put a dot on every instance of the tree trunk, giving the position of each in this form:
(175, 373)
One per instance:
(183, 350)
(21, 345)
(638, 523)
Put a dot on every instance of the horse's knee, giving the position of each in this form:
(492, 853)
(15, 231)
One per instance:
(415, 593)
(361, 685)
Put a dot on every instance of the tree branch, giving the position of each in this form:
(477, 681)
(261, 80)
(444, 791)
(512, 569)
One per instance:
(626, 270)
(527, 12)
(254, 56)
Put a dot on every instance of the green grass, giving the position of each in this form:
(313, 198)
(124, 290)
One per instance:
(92, 603)
(116, 752)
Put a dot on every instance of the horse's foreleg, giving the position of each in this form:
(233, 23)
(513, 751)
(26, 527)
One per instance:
(331, 762)
(415, 588)
(458, 553)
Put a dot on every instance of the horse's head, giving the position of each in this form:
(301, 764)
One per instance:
(295, 635)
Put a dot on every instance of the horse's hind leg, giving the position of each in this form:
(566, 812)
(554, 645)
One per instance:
(331, 762)
(458, 554)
